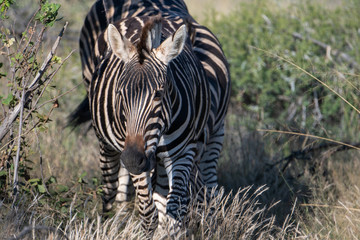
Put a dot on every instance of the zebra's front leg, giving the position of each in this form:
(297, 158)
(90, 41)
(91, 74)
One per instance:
(147, 209)
(125, 189)
(110, 165)
(179, 171)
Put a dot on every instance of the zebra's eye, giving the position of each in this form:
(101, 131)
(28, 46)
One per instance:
(158, 95)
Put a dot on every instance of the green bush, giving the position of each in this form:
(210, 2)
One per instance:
(279, 93)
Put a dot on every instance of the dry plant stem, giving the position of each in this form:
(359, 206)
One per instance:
(8, 121)
(328, 48)
(309, 135)
(329, 206)
(309, 74)
(51, 77)
(33, 127)
(16, 162)
(48, 82)
(349, 82)
(301, 154)
(351, 74)
(41, 161)
(12, 69)
(54, 98)
(27, 28)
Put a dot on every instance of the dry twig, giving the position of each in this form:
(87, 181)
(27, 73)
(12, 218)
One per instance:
(34, 85)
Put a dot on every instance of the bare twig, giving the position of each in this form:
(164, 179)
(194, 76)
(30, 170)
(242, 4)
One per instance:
(49, 79)
(28, 26)
(41, 162)
(311, 136)
(304, 153)
(342, 77)
(16, 162)
(56, 98)
(36, 106)
(55, 105)
(317, 111)
(343, 56)
(8, 121)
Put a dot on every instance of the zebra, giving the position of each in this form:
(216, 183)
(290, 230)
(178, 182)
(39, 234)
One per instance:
(158, 89)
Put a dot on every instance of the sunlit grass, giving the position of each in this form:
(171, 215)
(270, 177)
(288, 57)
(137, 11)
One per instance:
(312, 196)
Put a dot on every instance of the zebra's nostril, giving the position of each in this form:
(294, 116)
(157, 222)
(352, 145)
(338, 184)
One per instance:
(135, 162)
(143, 165)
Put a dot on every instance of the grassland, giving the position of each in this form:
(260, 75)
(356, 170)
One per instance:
(290, 163)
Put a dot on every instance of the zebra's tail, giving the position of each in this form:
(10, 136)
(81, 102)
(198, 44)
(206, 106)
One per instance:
(80, 115)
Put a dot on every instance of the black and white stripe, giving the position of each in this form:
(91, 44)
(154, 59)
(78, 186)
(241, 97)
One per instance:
(158, 97)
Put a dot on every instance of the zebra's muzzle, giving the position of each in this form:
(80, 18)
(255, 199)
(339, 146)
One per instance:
(134, 161)
(133, 157)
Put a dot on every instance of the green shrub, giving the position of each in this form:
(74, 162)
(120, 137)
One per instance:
(277, 92)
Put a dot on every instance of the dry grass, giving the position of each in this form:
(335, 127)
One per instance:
(226, 216)
(334, 210)
(316, 197)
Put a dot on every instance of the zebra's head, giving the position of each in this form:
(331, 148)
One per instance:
(144, 91)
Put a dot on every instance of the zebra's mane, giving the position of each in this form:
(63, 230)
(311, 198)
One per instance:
(152, 27)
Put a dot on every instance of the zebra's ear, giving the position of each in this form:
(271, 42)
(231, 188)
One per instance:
(172, 46)
(120, 46)
(154, 35)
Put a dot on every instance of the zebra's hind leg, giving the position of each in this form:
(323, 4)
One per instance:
(110, 165)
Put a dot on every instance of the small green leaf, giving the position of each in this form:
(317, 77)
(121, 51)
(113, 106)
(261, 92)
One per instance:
(42, 128)
(81, 178)
(52, 179)
(19, 56)
(41, 117)
(41, 188)
(3, 74)
(65, 199)
(64, 210)
(3, 173)
(48, 13)
(34, 180)
(57, 59)
(8, 100)
(42, 201)
(83, 174)
(61, 188)
(95, 181)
